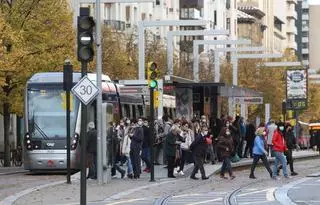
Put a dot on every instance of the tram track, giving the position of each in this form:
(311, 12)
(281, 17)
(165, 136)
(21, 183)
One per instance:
(231, 198)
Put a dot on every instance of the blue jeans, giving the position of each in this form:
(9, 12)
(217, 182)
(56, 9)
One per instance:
(145, 156)
(129, 165)
(279, 156)
(226, 165)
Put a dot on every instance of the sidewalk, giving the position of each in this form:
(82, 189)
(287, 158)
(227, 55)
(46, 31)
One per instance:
(63, 193)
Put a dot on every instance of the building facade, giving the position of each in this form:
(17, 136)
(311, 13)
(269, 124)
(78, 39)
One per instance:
(302, 37)
(314, 33)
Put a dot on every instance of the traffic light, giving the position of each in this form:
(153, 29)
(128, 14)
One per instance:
(153, 74)
(85, 26)
(156, 98)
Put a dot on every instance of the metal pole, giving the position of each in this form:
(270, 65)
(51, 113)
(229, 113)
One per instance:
(141, 50)
(68, 136)
(216, 67)
(83, 183)
(152, 133)
(99, 97)
(296, 126)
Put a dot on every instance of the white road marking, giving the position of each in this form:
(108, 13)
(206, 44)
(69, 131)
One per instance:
(205, 202)
(254, 202)
(184, 195)
(307, 202)
(269, 194)
(125, 201)
(253, 192)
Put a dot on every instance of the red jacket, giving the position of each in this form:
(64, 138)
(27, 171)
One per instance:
(278, 142)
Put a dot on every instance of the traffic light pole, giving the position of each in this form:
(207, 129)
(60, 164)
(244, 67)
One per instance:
(67, 86)
(83, 183)
(68, 137)
(152, 131)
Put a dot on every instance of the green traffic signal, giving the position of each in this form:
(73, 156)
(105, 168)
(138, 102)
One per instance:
(153, 84)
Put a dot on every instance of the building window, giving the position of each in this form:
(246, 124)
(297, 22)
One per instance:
(184, 13)
(228, 24)
(157, 2)
(215, 17)
(304, 45)
(305, 56)
(143, 16)
(128, 13)
(304, 34)
(228, 4)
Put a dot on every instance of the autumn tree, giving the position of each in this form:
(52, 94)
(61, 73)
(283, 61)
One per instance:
(120, 53)
(35, 36)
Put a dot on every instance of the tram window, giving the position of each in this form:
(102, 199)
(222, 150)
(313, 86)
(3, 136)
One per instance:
(140, 109)
(127, 109)
(165, 111)
(134, 111)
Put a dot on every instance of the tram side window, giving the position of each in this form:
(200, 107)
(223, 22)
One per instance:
(140, 109)
(165, 111)
(123, 111)
(134, 112)
(127, 109)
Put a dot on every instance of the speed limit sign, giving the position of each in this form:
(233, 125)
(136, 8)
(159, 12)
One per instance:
(85, 90)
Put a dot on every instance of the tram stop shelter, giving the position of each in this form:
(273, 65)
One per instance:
(207, 97)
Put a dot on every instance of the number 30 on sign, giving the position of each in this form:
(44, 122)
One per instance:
(85, 90)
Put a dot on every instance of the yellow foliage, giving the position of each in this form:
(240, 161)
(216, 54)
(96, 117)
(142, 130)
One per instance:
(35, 36)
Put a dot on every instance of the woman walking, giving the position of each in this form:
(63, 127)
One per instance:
(171, 148)
(259, 152)
(279, 147)
(225, 148)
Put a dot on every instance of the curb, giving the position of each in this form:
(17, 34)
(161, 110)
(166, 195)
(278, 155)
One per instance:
(281, 194)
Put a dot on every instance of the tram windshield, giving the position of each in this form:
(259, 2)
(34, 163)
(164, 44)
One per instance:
(47, 112)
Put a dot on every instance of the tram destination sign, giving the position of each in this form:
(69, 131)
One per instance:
(85, 90)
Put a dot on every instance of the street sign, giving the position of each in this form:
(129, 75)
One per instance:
(135, 90)
(85, 90)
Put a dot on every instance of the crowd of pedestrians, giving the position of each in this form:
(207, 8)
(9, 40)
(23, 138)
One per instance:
(199, 141)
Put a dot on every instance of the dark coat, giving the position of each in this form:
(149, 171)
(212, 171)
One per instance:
(225, 145)
(137, 138)
(146, 137)
(170, 145)
(250, 135)
(199, 146)
(290, 140)
(113, 141)
(92, 141)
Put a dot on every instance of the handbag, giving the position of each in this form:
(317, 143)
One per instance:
(208, 140)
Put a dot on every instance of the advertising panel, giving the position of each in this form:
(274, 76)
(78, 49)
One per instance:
(297, 89)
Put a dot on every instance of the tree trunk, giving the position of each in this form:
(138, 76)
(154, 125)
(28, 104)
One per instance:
(6, 125)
